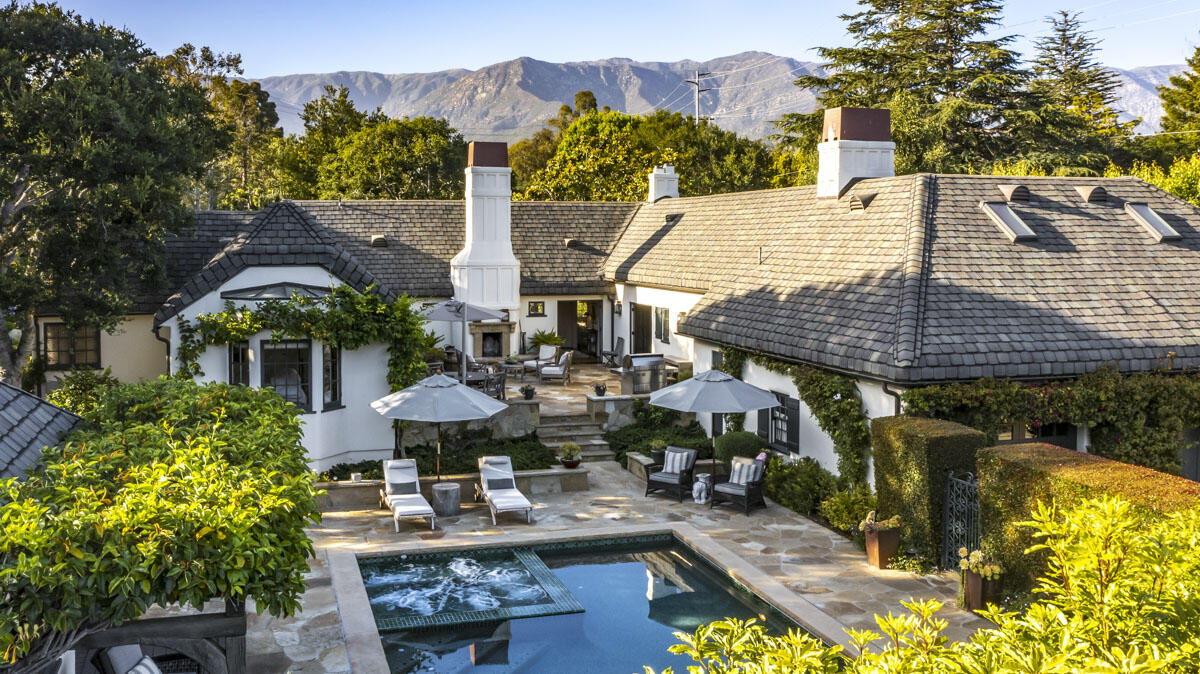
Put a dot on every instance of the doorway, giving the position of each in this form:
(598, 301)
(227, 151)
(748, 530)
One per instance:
(642, 328)
(579, 324)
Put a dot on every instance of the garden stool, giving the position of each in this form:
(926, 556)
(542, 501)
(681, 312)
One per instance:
(702, 490)
(446, 499)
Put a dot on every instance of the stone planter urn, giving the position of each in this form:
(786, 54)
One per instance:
(528, 392)
(882, 545)
(570, 463)
(976, 591)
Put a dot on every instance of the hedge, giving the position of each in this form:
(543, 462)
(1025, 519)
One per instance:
(912, 456)
(1013, 478)
(738, 443)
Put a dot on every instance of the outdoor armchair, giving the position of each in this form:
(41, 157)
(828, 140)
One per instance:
(546, 354)
(560, 371)
(498, 488)
(613, 358)
(674, 476)
(401, 491)
(744, 486)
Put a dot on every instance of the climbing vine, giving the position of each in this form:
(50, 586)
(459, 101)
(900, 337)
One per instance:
(345, 319)
(1137, 418)
(833, 400)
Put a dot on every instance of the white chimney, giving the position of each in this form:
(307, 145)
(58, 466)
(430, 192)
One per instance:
(663, 183)
(855, 143)
(485, 272)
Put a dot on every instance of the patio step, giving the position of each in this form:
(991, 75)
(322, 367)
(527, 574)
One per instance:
(554, 430)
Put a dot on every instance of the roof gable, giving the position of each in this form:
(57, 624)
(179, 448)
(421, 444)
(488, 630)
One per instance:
(28, 424)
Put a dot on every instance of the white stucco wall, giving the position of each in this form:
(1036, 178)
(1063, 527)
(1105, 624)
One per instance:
(531, 324)
(676, 302)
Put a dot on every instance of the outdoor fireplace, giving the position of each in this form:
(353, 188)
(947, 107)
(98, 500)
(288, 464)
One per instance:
(491, 339)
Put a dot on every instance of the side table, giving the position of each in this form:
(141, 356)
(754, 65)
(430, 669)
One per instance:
(446, 499)
(513, 370)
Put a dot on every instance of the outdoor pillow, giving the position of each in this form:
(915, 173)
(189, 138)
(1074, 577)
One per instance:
(145, 666)
(674, 462)
(396, 488)
(501, 483)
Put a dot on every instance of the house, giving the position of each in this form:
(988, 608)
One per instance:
(897, 281)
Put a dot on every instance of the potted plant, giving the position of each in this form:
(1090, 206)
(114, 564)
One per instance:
(545, 337)
(527, 391)
(570, 455)
(658, 451)
(883, 539)
(980, 579)
(601, 389)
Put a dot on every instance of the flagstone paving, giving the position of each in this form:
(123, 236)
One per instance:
(814, 562)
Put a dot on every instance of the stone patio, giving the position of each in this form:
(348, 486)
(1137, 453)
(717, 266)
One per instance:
(557, 399)
(817, 565)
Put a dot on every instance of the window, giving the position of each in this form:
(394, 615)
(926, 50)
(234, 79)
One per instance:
(331, 376)
(64, 349)
(780, 425)
(537, 309)
(239, 363)
(1152, 221)
(1008, 221)
(286, 367)
(662, 325)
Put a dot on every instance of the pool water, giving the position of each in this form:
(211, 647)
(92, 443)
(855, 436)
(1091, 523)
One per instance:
(633, 599)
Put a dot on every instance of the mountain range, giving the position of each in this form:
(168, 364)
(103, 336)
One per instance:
(511, 100)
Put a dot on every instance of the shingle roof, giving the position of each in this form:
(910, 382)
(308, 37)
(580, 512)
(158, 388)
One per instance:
(922, 286)
(27, 425)
(187, 253)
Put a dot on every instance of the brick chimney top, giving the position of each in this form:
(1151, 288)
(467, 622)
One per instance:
(480, 153)
(857, 124)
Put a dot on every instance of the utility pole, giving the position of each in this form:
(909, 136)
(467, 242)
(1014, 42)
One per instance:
(696, 84)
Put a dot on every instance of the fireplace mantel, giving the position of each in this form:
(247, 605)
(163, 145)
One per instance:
(479, 328)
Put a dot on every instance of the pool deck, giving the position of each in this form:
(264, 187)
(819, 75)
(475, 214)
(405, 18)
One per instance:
(802, 567)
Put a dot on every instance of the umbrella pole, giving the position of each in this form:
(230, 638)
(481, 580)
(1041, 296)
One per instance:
(462, 356)
(439, 453)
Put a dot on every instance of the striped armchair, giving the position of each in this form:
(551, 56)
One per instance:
(744, 486)
(674, 476)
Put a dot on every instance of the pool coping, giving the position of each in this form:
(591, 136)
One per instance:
(365, 648)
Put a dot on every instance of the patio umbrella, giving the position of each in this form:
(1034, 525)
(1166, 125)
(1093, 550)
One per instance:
(438, 399)
(453, 310)
(713, 391)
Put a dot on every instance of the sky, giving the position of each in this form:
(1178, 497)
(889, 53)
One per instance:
(307, 36)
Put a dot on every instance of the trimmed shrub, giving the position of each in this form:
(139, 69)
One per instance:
(1014, 478)
(799, 486)
(656, 428)
(912, 457)
(370, 469)
(460, 454)
(738, 443)
(847, 508)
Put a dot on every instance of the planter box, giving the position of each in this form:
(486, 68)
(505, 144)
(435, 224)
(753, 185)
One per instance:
(882, 546)
(365, 495)
(976, 592)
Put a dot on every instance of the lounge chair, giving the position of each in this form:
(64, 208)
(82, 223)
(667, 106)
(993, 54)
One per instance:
(744, 486)
(560, 371)
(498, 487)
(546, 354)
(401, 492)
(674, 476)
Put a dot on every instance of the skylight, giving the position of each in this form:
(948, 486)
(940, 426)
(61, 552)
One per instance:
(1152, 221)
(277, 291)
(1009, 222)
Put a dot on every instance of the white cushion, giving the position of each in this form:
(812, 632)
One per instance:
(745, 470)
(674, 461)
(663, 476)
(508, 499)
(552, 371)
(730, 488)
(121, 659)
(409, 505)
(145, 666)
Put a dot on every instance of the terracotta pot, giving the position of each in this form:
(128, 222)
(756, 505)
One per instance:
(976, 591)
(570, 463)
(882, 545)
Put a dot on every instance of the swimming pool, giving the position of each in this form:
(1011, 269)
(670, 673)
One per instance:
(631, 594)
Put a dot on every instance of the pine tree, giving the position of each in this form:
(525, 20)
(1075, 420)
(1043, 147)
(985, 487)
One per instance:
(1068, 73)
(1181, 103)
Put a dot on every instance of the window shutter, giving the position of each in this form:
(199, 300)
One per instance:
(764, 424)
(792, 406)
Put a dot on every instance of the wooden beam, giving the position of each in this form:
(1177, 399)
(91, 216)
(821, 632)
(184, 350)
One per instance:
(202, 626)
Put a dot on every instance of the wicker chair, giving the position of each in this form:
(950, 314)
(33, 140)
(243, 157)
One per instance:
(744, 486)
(674, 476)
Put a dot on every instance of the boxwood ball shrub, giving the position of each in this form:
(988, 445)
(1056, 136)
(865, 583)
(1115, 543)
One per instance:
(912, 456)
(738, 443)
(1013, 479)
(847, 508)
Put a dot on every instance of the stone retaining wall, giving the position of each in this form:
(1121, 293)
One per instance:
(520, 419)
(346, 495)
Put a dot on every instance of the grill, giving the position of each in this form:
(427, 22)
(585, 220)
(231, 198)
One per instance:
(642, 373)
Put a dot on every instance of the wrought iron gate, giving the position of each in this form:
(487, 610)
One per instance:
(960, 517)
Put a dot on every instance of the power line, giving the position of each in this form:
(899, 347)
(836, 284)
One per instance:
(1157, 18)
(660, 101)
(696, 84)
(790, 74)
(758, 64)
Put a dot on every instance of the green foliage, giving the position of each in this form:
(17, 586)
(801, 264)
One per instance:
(800, 486)
(174, 493)
(738, 443)
(244, 110)
(33, 374)
(912, 457)
(345, 318)
(1122, 596)
(913, 563)
(531, 155)
(569, 450)
(832, 398)
(1182, 179)
(417, 158)
(656, 428)
(83, 390)
(845, 509)
(1136, 418)
(371, 469)
(462, 448)
(545, 337)
(1181, 103)
(1013, 479)
(96, 148)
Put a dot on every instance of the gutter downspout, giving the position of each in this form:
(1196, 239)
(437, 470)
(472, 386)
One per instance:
(894, 394)
(159, 337)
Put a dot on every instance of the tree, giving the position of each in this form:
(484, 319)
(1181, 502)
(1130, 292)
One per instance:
(98, 146)
(246, 112)
(528, 156)
(708, 159)
(328, 121)
(132, 511)
(417, 158)
(1066, 69)
(1181, 104)
(1182, 179)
